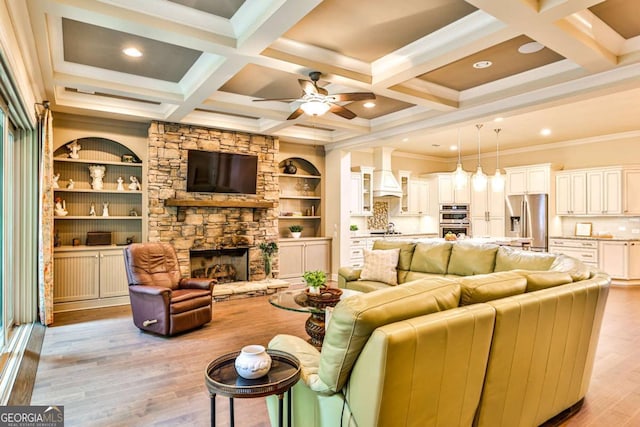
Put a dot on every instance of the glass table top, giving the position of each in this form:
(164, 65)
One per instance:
(296, 300)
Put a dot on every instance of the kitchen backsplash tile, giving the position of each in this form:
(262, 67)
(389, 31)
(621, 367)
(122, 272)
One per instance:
(616, 226)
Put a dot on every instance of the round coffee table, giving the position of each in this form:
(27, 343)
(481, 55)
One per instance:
(296, 300)
(221, 378)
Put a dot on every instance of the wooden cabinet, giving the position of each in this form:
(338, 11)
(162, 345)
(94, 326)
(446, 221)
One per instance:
(356, 250)
(299, 255)
(620, 259)
(528, 179)
(604, 192)
(631, 190)
(88, 278)
(571, 193)
(442, 188)
(362, 191)
(415, 195)
(583, 249)
(300, 198)
(487, 213)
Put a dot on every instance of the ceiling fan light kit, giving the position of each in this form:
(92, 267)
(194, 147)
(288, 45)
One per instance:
(316, 100)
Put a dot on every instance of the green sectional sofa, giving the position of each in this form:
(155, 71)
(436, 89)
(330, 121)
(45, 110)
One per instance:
(472, 335)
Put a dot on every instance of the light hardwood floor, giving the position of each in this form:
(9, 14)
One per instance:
(107, 373)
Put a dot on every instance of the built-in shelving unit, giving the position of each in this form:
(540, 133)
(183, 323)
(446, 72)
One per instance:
(300, 197)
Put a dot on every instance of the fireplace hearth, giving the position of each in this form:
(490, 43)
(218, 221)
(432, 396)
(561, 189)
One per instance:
(225, 264)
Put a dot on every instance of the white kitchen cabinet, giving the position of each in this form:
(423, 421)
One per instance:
(586, 250)
(604, 191)
(532, 179)
(415, 195)
(571, 193)
(620, 259)
(356, 250)
(87, 278)
(362, 191)
(442, 187)
(487, 213)
(299, 255)
(631, 190)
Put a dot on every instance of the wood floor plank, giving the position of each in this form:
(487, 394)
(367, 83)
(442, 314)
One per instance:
(108, 373)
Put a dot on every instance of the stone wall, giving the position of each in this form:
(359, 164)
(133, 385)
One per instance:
(209, 227)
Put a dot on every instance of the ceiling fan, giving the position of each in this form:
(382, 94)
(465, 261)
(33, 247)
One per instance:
(317, 101)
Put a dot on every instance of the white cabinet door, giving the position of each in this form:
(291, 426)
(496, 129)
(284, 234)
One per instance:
(516, 181)
(528, 179)
(446, 189)
(612, 192)
(479, 227)
(356, 193)
(538, 179)
(418, 202)
(496, 226)
(479, 204)
(563, 194)
(317, 256)
(76, 276)
(495, 204)
(291, 260)
(631, 187)
(614, 259)
(571, 193)
(113, 274)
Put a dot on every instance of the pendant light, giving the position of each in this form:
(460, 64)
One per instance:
(479, 178)
(459, 176)
(497, 180)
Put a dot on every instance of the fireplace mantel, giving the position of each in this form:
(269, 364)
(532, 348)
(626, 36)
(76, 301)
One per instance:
(184, 203)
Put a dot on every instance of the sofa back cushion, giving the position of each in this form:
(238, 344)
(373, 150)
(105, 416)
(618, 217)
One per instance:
(380, 266)
(355, 318)
(468, 259)
(508, 259)
(537, 280)
(576, 268)
(404, 259)
(488, 287)
(431, 257)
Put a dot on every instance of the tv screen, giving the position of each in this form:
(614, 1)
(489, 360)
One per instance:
(217, 172)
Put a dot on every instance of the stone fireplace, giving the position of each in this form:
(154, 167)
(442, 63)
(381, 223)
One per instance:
(225, 264)
(215, 222)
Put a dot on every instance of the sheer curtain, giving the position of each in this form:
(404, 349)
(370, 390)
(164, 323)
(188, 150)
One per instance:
(45, 264)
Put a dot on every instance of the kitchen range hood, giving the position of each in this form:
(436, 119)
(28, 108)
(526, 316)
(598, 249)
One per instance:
(384, 182)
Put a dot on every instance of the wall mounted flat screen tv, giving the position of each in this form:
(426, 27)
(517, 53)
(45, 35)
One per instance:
(217, 172)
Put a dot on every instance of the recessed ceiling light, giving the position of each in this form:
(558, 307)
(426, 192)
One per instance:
(498, 119)
(483, 64)
(369, 104)
(531, 47)
(545, 131)
(405, 139)
(132, 51)
(453, 147)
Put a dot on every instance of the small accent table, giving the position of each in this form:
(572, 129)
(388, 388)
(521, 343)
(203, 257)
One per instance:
(221, 378)
(297, 301)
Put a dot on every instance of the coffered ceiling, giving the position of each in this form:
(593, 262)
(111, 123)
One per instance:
(570, 65)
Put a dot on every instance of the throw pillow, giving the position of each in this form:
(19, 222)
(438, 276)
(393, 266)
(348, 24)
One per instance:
(380, 265)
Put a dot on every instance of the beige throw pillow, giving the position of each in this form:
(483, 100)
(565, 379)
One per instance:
(380, 265)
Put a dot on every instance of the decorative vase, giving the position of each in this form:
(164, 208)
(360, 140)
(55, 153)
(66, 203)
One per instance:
(253, 362)
(267, 267)
(296, 234)
(290, 168)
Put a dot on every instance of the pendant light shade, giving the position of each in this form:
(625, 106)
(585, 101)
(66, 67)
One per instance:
(479, 178)
(497, 180)
(460, 175)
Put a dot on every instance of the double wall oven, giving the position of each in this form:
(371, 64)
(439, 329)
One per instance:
(454, 218)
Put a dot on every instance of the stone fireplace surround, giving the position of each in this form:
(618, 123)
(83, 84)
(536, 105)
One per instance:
(209, 227)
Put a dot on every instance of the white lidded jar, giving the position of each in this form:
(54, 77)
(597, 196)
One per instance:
(253, 362)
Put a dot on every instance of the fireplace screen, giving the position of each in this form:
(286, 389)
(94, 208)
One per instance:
(224, 265)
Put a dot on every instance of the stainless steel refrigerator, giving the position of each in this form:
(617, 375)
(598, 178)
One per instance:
(527, 215)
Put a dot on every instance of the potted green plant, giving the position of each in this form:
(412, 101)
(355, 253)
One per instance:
(296, 230)
(353, 228)
(318, 294)
(315, 280)
(268, 250)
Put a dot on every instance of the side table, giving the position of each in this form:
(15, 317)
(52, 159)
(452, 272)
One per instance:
(221, 378)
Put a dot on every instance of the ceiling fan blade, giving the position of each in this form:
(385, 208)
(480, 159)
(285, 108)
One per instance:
(276, 99)
(342, 112)
(297, 113)
(355, 96)
(308, 87)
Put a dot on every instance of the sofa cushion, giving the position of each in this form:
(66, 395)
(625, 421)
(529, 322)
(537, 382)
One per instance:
(537, 280)
(574, 267)
(380, 266)
(468, 259)
(412, 276)
(487, 287)
(365, 285)
(406, 251)
(431, 257)
(355, 318)
(508, 259)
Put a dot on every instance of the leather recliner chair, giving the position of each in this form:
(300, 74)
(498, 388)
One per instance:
(161, 300)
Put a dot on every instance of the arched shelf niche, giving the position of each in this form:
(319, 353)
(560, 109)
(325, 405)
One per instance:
(300, 185)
